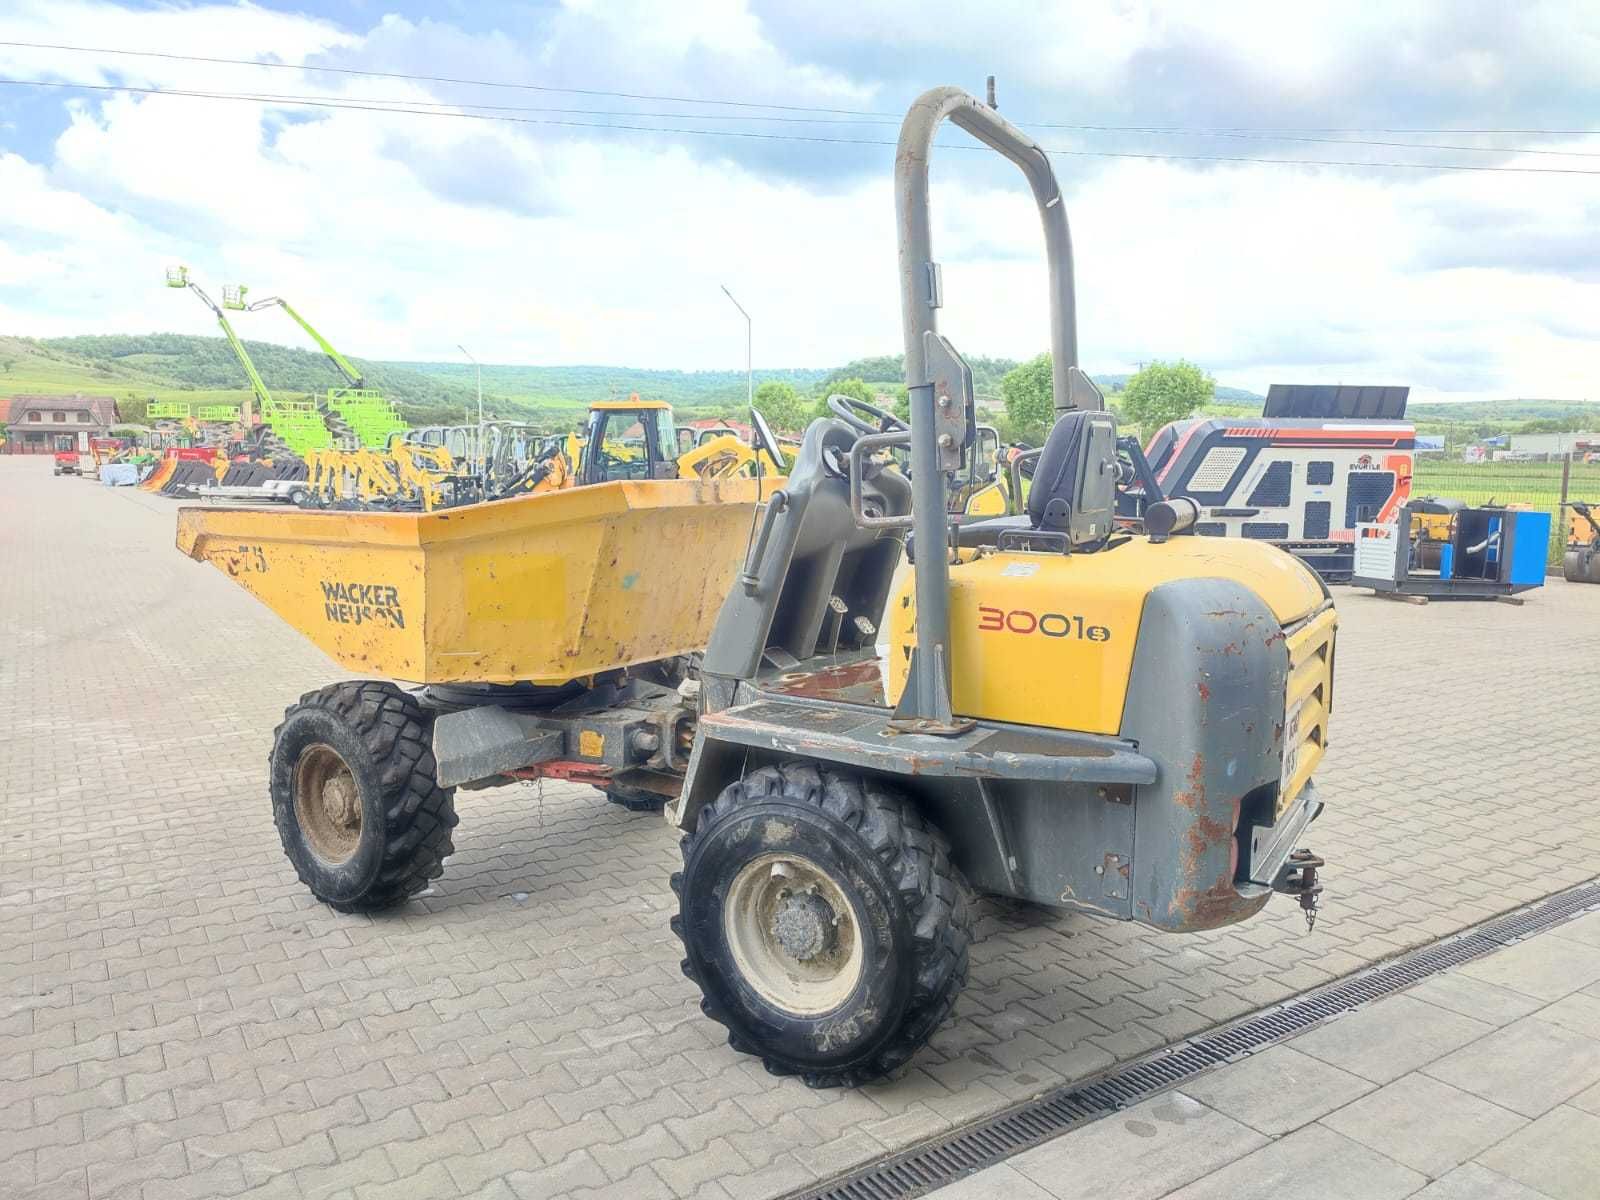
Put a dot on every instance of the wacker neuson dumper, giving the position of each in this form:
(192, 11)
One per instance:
(1041, 706)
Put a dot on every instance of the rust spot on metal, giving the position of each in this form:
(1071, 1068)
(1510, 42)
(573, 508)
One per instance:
(834, 682)
(1218, 903)
(1205, 692)
(1194, 794)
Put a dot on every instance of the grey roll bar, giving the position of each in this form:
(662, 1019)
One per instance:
(920, 286)
(925, 705)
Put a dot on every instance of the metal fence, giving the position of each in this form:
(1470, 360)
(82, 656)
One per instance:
(1550, 486)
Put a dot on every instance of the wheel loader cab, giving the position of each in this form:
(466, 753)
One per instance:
(628, 440)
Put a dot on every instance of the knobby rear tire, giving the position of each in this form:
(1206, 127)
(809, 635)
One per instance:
(385, 740)
(887, 861)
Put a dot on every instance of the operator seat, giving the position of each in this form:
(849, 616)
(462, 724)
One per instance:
(1055, 481)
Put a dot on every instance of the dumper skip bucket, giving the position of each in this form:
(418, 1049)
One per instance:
(541, 589)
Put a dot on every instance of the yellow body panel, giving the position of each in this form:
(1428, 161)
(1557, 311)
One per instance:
(987, 501)
(543, 588)
(723, 457)
(1048, 639)
(1308, 701)
(1434, 526)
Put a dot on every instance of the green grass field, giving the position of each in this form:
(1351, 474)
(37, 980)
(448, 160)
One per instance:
(1524, 483)
(29, 369)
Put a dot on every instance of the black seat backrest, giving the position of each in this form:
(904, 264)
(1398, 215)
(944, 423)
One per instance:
(1055, 477)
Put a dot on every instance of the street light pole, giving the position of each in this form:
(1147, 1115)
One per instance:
(749, 378)
(483, 459)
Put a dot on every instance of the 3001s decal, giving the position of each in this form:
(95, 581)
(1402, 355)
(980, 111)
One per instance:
(1052, 625)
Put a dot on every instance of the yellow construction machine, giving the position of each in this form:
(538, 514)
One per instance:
(635, 439)
(1580, 562)
(622, 440)
(1044, 706)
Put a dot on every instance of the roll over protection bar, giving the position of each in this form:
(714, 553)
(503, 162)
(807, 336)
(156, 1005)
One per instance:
(920, 286)
(925, 704)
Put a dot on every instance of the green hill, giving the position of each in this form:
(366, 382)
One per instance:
(575, 386)
(168, 366)
(1573, 414)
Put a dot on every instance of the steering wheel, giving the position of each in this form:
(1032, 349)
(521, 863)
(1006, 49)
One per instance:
(849, 410)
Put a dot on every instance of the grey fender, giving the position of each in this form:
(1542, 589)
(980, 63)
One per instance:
(1205, 701)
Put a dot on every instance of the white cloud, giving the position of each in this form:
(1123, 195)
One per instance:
(403, 235)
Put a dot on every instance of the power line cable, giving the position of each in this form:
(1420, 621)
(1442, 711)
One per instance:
(1184, 130)
(1328, 141)
(1285, 129)
(531, 87)
(787, 137)
(293, 98)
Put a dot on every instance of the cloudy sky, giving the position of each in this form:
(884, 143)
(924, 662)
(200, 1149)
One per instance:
(521, 221)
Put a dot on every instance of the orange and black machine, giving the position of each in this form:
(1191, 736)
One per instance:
(1319, 461)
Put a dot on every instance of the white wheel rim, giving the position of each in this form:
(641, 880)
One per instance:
(794, 936)
(327, 804)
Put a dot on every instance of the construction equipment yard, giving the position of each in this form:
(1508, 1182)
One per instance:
(180, 1017)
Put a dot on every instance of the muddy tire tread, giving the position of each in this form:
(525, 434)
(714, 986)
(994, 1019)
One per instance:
(935, 893)
(418, 814)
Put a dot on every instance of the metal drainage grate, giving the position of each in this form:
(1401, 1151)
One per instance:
(919, 1171)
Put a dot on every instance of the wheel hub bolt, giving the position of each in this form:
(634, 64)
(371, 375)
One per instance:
(804, 925)
(340, 800)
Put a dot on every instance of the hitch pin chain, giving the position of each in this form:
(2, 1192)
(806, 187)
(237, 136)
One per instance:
(1309, 889)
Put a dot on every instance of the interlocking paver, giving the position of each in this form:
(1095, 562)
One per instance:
(1473, 1181)
(1529, 1066)
(1427, 1125)
(1314, 1159)
(1278, 1089)
(145, 899)
(1384, 1041)
(1557, 1155)
(1546, 968)
(1474, 998)
(1142, 1153)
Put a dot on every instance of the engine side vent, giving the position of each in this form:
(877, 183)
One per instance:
(1216, 469)
(1365, 495)
(1272, 491)
(1270, 531)
(1318, 514)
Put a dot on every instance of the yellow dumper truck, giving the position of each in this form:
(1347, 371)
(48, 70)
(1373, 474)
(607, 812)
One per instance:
(1043, 706)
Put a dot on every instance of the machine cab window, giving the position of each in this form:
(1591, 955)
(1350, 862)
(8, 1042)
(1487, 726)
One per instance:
(629, 440)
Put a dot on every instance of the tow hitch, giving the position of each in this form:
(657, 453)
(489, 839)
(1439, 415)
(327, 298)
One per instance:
(1298, 877)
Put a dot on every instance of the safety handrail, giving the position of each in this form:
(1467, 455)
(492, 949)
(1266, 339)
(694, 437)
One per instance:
(866, 444)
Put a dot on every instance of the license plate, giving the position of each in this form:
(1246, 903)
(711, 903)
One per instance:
(1292, 742)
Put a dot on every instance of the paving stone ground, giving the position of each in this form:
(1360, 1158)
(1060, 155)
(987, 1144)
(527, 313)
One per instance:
(179, 1018)
(1479, 1084)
